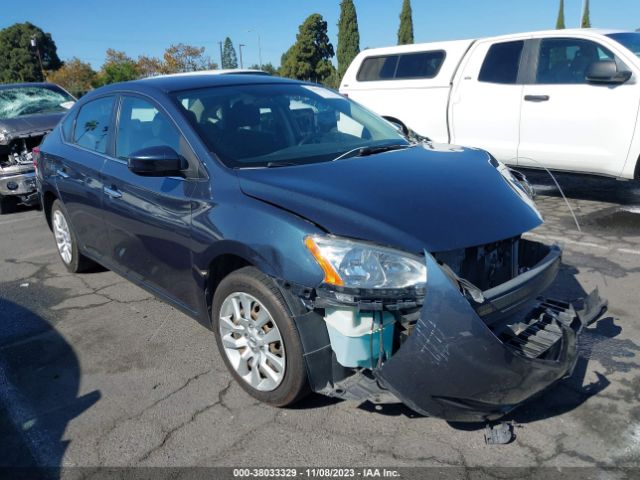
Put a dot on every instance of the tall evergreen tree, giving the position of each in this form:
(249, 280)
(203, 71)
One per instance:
(560, 25)
(310, 57)
(405, 31)
(348, 36)
(586, 19)
(19, 61)
(229, 57)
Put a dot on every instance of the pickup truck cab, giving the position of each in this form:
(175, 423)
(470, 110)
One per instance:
(561, 99)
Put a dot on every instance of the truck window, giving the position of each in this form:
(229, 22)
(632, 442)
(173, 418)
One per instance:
(419, 65)
(565, 60)
(378, 68)
(501, 63)
(401, 67)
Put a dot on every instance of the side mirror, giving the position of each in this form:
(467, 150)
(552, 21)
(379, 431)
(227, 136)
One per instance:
(157, 161)
(606, 71)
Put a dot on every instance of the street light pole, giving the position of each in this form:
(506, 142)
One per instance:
(240, 48)
(259, 47)
(34, 45)
(220, 43)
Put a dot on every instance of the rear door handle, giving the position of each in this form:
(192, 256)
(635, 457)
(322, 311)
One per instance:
(112, 192)
(61, 173)
(536, 98)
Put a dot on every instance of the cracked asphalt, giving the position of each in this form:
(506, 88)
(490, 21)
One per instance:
(96, 372)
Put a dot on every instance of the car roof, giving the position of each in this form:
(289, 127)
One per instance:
(562, 32)
(226, 71)
(175, 83)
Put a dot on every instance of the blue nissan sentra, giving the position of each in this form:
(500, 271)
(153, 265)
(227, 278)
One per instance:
(326, 251)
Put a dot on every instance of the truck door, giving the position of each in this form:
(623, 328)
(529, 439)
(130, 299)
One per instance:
(568, 123)
(485, 103)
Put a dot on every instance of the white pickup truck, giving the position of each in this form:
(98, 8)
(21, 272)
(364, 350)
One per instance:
(562, 99)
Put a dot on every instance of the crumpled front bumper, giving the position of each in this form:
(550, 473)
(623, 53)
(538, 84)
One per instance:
(453, 366)
(18, 184)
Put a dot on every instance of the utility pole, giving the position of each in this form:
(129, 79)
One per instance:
(220, 44)
(34, 45)
(240, 49)
(259, 47)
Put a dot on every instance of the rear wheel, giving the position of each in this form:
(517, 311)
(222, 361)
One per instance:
(66, 241)
(8, 204)
(258, 339)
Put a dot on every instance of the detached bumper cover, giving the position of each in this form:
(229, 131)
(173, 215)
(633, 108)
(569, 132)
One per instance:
(454, 367)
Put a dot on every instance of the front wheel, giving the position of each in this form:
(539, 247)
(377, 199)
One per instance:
(67, 242)
(258, 339)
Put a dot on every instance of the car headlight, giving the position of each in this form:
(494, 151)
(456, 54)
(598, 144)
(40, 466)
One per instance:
(351, 264)
(5, 138)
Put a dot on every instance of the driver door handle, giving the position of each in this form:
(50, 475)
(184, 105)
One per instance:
(112, 192)
(61, 173)
(536, 98)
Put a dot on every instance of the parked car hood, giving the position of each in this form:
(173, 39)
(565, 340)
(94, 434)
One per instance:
(30, 124)
(430, 198)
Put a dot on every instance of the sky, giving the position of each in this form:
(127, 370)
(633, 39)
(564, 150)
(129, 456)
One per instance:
(86, 28)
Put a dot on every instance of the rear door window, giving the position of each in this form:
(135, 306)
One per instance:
(502, 63)
(93, 123)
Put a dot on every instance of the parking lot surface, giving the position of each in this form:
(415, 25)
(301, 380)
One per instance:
(96, 372)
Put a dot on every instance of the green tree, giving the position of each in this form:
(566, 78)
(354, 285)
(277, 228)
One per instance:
(586, 19)
(266, 67)
(560, 25)
(310, 57)
(348, 36)
(181, 58)
(75, 76)
(405, 31)
(19, 60)
(118, 67)
(229, 57)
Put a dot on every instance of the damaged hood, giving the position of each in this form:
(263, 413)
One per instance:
(30, 124)
(434, 198)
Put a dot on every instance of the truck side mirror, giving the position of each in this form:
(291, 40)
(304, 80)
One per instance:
(606, 71)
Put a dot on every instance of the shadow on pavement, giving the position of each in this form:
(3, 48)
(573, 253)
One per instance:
(39, 387)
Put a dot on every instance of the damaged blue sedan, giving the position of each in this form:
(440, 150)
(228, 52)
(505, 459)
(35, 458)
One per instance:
(325, 250)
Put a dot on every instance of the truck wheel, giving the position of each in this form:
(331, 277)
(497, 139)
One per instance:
(8, 204)
(66, 241)
(257, 338)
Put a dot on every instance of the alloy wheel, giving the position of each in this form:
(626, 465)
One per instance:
(252, 342)
(63, 236)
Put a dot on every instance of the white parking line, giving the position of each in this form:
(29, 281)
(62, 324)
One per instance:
(568, 241)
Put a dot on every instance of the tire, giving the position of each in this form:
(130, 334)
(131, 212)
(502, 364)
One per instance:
(249, 285)
(67, 243)
(8, 204)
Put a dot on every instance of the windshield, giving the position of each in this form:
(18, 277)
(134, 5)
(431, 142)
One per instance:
(21, 101)
(629, 40)
(281, 125)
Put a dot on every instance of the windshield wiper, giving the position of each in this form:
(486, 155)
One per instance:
(281, 164)
(366, 151)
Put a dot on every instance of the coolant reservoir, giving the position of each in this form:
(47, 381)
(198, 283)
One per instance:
(352, 339)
